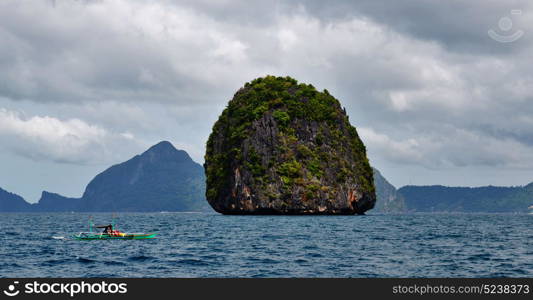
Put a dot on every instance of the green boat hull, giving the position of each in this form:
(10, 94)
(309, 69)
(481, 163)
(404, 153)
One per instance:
(127, 236)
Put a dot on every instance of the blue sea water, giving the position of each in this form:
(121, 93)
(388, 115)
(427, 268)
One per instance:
(212, 245)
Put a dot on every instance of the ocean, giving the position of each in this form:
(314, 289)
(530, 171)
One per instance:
(213, 245)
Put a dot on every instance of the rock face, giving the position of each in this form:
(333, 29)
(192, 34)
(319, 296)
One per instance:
(281, 147)
(388, 198)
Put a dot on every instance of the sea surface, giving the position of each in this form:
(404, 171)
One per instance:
(212, 245)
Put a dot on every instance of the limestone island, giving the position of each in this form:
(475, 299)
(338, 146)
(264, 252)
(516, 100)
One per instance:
(282, 147)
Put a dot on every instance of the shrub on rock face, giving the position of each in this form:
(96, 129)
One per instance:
(281, 147)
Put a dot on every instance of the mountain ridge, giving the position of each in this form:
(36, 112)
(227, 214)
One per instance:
(11, 202)
(439, 198)
(138, 184)
(147, 170)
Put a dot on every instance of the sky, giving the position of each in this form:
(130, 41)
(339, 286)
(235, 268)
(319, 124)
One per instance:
(439, 91)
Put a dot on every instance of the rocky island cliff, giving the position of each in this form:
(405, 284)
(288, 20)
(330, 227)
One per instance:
(282, 147)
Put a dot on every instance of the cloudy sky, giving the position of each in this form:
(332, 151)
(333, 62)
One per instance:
(436, 99)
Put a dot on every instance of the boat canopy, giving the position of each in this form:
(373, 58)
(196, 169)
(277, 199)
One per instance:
(103, 226)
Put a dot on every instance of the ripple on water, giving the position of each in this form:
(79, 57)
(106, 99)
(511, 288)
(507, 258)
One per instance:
(263, 261)
(480, 256)
(314, 255)
(140, 258)
(84, 260)
(192, 262)
(56, 262)
(309, 247)
(114, 263)
(9, 266)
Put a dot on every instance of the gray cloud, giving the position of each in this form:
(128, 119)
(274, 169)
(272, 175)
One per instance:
(456, 25)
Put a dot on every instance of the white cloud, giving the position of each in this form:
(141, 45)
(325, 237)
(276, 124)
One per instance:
(405, 151)
(66, 141)
(454, 148)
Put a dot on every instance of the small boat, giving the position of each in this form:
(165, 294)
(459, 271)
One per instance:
(111, 233)
(120, 236)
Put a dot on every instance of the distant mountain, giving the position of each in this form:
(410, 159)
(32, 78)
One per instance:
(10, 202)
(438, 198)
(50, 202)
(160, 179)
(388, 199)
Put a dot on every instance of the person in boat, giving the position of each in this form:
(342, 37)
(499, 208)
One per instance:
(108, 229)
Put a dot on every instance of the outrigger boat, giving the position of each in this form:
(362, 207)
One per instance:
(105, 236)
(111, 233)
